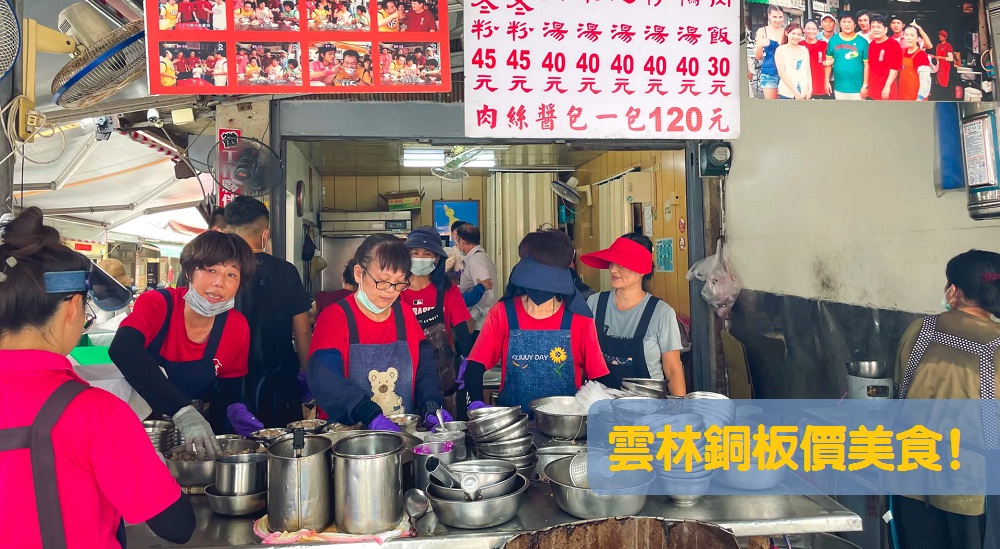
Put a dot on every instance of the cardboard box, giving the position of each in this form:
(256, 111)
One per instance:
(403, 200)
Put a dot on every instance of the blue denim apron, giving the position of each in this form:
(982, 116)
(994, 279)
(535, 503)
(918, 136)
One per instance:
(195, 379)
(539, 362)
(385, 369)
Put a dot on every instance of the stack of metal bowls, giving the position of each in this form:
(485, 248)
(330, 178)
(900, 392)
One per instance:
(717, 409)
(502, 433)
(497, 500)
(652, 388)
(240, 485)
(686, 486)
(162, 434)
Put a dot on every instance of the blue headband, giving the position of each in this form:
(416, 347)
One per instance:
(64, 282)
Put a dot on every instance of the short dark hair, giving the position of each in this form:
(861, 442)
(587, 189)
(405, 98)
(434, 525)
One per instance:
(215, 248)
(550, 247)
(977, 274)
(386, 251)
(349, 273)
(353, 54)
(847, 15)
(469, 233)
(36, 249)
(217, 219)
(876, 18)
(859, 13)
(245, 213)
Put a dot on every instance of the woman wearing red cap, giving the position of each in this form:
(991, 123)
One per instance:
(637, 331)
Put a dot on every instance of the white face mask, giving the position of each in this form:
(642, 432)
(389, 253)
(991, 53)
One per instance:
(201, 305)
(350, 72)
(422, 266)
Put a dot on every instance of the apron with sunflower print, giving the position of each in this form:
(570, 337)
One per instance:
(539, 363)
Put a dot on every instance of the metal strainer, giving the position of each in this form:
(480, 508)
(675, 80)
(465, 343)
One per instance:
(102, 69)
(10, 33)
(578, 470)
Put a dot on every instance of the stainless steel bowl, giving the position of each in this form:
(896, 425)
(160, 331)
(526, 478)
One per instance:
(312, 426)
(563, 426)
(241, 475)
(868, 368)
(519, 462)
(483, 513)
(235, 445)
(190, 472)
(483, 412)
(489, 471)
(518, 429)
(268, 436)
(236, 506)
(451, 427)
(644, 390)
(587, 504)
(407, 422)
(496, 421)
(507, 448)
(492, 491)
(655, 384)
(549, 454)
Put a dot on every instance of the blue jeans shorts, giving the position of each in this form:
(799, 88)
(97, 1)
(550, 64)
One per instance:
(768, 81)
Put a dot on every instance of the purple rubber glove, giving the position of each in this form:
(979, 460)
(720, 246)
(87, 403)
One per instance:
(477, 404)
(304, 388)
(243, 421)
(382, 423)
(430, 420)
(461, 375)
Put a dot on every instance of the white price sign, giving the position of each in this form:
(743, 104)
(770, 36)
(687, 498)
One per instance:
(602, 69)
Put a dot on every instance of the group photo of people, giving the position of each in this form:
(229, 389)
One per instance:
(413, 16)
(192, 14)
(280, 15)
(340, 64)
(866, 55)
(410, 63)
(341, 15)
(268, 63)
(193, 64)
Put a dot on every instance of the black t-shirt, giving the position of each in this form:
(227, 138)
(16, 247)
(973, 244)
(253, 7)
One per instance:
(269, 303)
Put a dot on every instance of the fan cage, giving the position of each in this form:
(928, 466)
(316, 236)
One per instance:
(103, 69)
(267, 170)
(10, 32)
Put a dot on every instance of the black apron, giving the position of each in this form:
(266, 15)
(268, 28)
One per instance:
(929, 334)
(37, 439)
(436, 333)
(625, 357)
(195, 379)
(272, 384)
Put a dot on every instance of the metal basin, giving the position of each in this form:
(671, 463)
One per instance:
(587, 504)
(655, 384)
(451, 427)
(507, 448)
(407, 422)
(483, 513)
(869, 369)
(549, 454)
(493, 422)
(483, 412)
(519, 429)
(562, 426)
(489, 471)
(190, 473)
(492, 491)
(520, 462)
(268, 436)
(235, 506)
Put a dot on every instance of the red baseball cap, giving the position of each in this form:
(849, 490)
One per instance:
(627, 253)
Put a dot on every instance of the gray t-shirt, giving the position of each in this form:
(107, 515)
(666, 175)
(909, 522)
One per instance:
(663, 335)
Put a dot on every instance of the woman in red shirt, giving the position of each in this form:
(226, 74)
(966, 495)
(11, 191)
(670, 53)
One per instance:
(192, 333)
(541, 333)
(440, 310)
(817, 53)
(915, 78)
(93, 465)
(368, 358)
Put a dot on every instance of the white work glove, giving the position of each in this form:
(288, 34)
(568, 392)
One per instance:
(197, 433)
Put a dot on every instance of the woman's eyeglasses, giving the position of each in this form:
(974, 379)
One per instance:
(384, 285)
(90, 316)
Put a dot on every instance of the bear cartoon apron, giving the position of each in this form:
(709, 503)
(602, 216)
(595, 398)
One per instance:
(539, 362)
(386, 369)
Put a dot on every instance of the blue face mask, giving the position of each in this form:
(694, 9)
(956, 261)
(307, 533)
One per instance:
(365, 301)
(945, 304)
(539, 297)
(422, 266)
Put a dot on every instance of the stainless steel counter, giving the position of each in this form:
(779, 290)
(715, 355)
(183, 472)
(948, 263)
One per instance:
(745, 515)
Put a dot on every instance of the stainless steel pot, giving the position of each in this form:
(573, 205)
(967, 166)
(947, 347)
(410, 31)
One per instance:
(298, 482)
(241, 475)
(368, 483)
